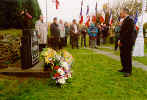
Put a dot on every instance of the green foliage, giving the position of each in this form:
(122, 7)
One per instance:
(32, 7)
(10, 13)
(133, 6)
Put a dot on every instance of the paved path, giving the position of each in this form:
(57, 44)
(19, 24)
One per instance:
(111, 55)
(111, 48)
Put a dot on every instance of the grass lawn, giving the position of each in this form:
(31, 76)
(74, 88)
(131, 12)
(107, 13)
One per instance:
(95, 77)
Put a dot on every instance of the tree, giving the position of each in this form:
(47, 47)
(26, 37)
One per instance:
(10, 10)
(132, 5)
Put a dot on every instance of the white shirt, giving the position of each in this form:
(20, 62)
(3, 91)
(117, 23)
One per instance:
(62, 30)
(76, 28)
(42, 29)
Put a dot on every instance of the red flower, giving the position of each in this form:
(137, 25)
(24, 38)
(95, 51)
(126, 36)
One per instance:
(28, 15)
(56, 75)
(56, 67)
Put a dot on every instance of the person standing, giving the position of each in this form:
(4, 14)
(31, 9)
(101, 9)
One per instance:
(62, 34)
(42, 30)
(99, 35)
(55, 34)
(66, 32)
(105, 30)
(74, 32)
(126, 42)
(93, 31)
(83, 35)
(117, 35)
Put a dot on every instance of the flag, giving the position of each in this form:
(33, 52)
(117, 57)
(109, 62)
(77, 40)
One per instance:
(81, 20)
(88, 17)
(87, 13)
(136, 20)
(57, 4)
(102, 17)
(136, 17)
(88, 21)
(81, 8)
(81, 14)
(94, 19)
(111, 18)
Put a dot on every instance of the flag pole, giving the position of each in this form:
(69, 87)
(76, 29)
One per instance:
(46, 11)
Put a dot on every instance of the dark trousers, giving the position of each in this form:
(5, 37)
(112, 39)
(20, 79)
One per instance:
(71, 40)
(116, 44)
(55, 43)
(126, 58)
(83, 39)
(104, 39)
(98, 40)
(111, 40)
(75, 41)
(66, 41)
(62, 43)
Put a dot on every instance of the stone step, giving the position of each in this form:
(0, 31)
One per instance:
(36, 71)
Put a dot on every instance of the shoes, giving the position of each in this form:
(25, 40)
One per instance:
(121, 71)
(127, 74)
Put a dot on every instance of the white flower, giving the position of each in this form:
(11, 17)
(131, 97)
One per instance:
(65, 65)
(61, 80)
(58, 57)
(61, 71)
(69, 75)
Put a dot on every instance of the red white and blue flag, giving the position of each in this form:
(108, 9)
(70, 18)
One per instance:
(88, 17)
(136, 20)
(88, 21)
(81, 13)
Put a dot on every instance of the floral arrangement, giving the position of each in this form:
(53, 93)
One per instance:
(59, 64)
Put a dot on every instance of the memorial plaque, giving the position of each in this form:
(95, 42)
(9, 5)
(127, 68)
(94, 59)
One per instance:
(29, 49)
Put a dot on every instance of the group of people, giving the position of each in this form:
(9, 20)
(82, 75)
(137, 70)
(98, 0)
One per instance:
(124, 38)
(60, 32)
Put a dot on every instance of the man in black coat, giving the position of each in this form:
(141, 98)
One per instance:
(55, 35)
(74, 34)
(127, 40)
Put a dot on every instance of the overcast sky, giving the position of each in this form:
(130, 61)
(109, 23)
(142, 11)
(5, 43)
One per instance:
(69, 9)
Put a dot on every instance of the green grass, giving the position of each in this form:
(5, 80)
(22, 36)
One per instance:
(95, 77)
(141, 59)
(145, 49)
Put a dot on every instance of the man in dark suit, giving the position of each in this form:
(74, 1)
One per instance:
(127, 40)
(74, 34)
(55, 35)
